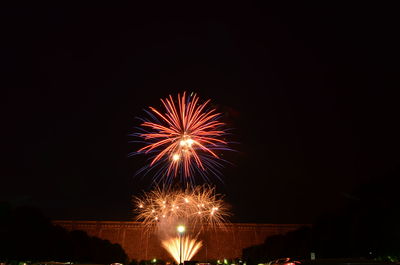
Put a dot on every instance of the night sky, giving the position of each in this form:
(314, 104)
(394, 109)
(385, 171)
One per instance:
(308, 90)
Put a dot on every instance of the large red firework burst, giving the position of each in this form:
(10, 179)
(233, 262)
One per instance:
(183, 139)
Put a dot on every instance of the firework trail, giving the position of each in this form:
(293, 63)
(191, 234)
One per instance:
(182, 140)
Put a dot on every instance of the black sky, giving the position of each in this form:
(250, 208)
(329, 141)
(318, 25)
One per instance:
(310, 91)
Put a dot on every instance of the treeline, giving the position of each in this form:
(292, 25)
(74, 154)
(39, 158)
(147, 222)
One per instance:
(367, 227)
(25, 234)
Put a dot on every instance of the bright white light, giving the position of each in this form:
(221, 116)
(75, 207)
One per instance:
(176, 157)
(181, 229)
(189, 142)
(186, 142)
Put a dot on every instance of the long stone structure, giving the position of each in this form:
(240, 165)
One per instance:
(140, 244)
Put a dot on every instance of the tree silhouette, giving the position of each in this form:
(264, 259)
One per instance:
(27, 235)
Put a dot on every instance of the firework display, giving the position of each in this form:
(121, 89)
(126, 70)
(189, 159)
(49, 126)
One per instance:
(182, 140)
(198, 206)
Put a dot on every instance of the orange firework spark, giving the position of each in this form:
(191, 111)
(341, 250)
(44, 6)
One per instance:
(183, 139)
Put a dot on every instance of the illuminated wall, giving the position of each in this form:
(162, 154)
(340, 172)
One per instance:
(217, 244)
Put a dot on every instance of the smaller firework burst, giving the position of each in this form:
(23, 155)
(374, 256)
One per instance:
(199, 207)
